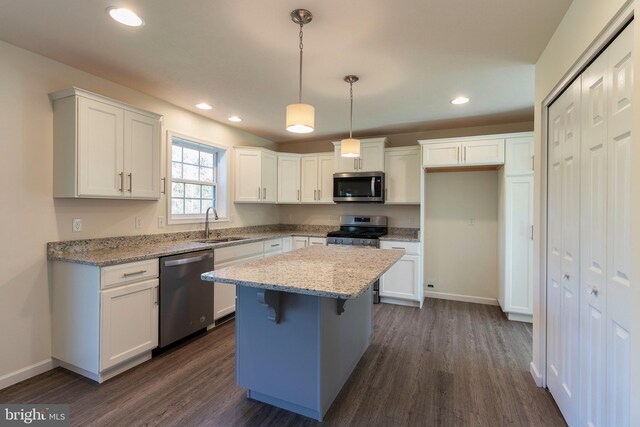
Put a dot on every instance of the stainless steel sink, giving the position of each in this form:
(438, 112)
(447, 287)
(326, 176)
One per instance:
(221, 239)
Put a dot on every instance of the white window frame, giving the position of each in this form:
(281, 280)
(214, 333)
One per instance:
(222, 181)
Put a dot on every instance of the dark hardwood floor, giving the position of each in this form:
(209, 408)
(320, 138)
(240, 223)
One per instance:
(450, 364)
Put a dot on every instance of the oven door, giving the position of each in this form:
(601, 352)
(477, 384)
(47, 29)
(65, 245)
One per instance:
(361, 187)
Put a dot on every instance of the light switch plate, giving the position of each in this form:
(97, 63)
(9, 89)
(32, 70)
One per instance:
(76, 225)
(139, 222)
(161, 222)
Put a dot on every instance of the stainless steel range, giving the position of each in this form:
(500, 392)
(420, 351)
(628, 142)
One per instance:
(357, 230)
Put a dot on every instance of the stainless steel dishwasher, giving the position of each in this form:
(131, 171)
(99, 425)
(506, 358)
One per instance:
(186, 302)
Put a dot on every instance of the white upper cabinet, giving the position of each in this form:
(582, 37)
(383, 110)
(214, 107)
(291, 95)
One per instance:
(256, 175)
(371, 157)
(316, 178)
(402, 175)
(464, 152)
(519, 156)
(288, 178)
(104, 148)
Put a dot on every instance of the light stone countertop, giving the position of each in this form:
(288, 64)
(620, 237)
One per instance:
(125, 252)
(343, 272)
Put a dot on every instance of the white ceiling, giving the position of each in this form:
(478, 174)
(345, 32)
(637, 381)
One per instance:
(241, 56)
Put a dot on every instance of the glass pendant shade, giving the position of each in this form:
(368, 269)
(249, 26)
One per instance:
(300, 118)
(350, 147)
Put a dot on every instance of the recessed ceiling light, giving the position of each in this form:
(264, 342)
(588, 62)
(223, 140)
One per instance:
(235, 119)
(204, 106)
(125, 16)
(460, 100)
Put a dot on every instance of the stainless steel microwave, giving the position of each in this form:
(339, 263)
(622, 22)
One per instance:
(358, 187)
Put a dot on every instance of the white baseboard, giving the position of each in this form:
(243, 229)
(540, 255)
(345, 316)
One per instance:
(519, 317)
(536, 375)
(398, 301)
(463, 298)
(25, 373)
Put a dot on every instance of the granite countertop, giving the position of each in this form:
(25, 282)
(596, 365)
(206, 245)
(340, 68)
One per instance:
(119, 250)
(138, 252)
(343, 272)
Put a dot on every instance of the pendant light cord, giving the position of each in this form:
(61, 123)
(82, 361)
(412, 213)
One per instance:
(351, 112)
(300, 81)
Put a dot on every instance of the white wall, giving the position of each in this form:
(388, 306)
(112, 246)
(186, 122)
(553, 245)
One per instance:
(30, 217)
(406, 216)
(584, 21)
(462, 259)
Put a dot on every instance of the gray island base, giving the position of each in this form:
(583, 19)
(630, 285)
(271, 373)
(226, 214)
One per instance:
(303, 321)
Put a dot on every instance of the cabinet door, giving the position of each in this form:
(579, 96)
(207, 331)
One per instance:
(248, 176)
(272, 247)
(309, 179)
(128, 322)
(269, 177)
(371, 157)
(100, 149)
(441, 154)
(401, 280)
(300, 242)
(519, 244)
(519, 156)
(141, 156)
(345, 164)
(325, 179)
(288, 179)
(483, 152)
(402, 176)
(287, 244)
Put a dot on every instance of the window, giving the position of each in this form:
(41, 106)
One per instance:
(197, 178)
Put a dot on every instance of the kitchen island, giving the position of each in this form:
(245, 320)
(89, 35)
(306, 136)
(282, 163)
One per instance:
(303, 321)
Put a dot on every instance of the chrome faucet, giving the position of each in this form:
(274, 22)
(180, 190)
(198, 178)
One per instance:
(206, 221)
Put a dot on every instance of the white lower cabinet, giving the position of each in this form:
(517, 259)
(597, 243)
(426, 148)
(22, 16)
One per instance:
(129, 322)
(401, 284)
(104, 319)
(224, 295)
(272, 247)
(287, 244)
(303, 241)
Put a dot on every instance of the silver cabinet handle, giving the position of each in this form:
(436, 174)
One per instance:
(157, 294)
(396, 247)
(264, 193)
(259, 193)
(164, 185)
(566, 277)
(319, 196)
(298, 196)
(315, 192)
(458, 155)
(275, 244)
(121, 181)
(135, 273)
(593, 291)
(130, 182)
(465, 154)
(532, 232)
(355, 164)
(373, 186)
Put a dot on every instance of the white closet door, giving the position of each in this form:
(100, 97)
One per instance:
(564, 247)
(593, 249)
(619, 140)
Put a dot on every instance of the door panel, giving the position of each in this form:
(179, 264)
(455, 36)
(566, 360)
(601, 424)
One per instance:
(269, 177)
(248, 176)
(142, 159)
(309, 178)
(325, 179)
(442, 154)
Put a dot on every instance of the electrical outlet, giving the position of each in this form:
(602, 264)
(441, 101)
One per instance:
(161, 222)
(76, 225)
(472, 221)
(412, 220)
(139, 222)
(431, 284)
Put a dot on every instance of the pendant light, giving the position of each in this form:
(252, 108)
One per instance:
(300, 117)
(350, 147)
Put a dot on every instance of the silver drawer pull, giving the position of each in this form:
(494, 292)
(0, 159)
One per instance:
(317, 243)
(275, 244)
(396, 247)
(135, 273)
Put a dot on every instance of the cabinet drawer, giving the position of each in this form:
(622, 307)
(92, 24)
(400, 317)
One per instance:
(121, 274)
(411, 248)
(272, 247)
(234, 253)
(317, 241)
